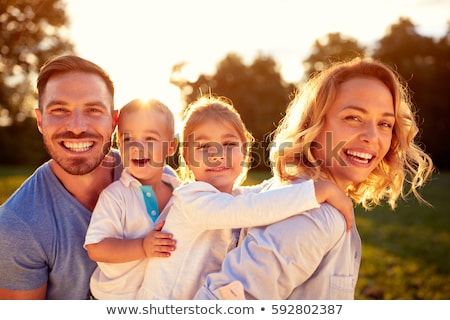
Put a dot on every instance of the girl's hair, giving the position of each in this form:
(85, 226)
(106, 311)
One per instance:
(405, 161)
(150, 104)
(212, 108)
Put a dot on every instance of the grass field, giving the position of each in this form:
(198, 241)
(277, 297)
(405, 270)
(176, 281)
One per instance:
(406, 252)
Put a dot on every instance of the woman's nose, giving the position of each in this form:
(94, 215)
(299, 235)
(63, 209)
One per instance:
(370, 132)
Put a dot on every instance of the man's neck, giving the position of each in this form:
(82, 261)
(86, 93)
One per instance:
(85, 188)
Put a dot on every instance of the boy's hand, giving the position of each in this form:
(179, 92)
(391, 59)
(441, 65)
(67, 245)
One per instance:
(327, 191)
(158, 243)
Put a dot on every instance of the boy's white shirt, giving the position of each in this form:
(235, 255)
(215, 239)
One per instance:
(202, 220)
(121, 213)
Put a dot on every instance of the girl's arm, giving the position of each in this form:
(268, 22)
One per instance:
(205, 206)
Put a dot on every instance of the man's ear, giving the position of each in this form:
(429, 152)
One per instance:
(115, 119)
(38, 113)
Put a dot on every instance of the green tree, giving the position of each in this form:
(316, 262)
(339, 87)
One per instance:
(424, 64)
(257, 91)
(331, 48)
(32, 31)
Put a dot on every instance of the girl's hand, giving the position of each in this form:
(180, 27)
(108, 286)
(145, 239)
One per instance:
(158, 243)
(327, 191)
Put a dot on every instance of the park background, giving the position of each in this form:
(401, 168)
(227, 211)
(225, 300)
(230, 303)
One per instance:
(256, 53)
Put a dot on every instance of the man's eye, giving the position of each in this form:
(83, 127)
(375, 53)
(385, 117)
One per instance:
(58, 110)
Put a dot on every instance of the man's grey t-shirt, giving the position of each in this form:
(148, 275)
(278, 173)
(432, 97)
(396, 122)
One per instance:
(42, 231)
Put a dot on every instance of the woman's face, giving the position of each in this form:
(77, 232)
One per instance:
(357, 132)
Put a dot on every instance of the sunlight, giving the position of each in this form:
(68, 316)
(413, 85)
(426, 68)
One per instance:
(138, 43)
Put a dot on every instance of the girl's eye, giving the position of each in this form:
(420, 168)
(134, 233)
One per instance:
(203, 146)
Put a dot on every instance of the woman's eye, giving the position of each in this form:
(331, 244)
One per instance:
(352, 118)
(386, 124)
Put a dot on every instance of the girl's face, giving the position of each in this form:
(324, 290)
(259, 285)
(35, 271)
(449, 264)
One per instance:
(215, 154)
(357, 132)
(145, 142)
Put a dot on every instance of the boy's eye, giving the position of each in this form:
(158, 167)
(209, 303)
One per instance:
(231, 144)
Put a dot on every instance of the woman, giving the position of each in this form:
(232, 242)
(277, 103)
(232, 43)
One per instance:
(353, 124)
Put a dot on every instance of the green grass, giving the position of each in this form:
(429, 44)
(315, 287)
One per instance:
(11, 178)
(406, 252)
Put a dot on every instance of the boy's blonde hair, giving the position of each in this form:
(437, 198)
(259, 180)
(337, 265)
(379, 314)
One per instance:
(405, 161)
(150, 104)
(139, 104)
(212, 108)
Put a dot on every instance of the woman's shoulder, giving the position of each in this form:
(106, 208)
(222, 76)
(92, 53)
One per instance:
(325, 222)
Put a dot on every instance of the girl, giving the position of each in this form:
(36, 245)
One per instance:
(352, 125)
(206, 214)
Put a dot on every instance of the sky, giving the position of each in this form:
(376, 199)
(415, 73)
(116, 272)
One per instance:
(139, 41)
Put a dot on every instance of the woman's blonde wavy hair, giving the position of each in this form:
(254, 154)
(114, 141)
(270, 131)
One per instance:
(208, 108)
(405, 161)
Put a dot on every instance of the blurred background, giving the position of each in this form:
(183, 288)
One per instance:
(256, 53)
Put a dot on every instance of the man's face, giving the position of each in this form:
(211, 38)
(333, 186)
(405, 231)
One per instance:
(76, 121)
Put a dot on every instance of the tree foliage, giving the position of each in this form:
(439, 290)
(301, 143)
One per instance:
(261, 95)
(32, 31)
(333, 47)
(424, 63)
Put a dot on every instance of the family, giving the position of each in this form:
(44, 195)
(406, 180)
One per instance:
(99, 223)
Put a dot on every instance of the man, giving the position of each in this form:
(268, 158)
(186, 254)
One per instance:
(43, 224)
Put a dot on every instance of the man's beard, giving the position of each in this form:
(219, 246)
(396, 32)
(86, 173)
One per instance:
(76, 165)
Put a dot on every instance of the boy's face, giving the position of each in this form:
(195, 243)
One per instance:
(145, 142)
